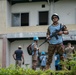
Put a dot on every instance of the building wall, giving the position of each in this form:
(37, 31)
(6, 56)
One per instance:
(8, 15)
(2, 16)
(65, 9)
(32, 8)
(1, 43)
(7, 53)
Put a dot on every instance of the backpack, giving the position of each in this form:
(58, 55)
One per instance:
(29, 49)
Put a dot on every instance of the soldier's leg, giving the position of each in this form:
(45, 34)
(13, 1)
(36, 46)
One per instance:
(34, 64)
(51, 50)
(60, 50)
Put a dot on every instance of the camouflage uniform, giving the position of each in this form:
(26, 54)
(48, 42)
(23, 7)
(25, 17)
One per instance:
(34, 61)
(34, 56)
(69, 51)
(52, 49)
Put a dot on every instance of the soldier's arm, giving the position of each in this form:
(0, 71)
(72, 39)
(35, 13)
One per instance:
(66, 48)
(48, 34)
(35, 47)
(73, 50)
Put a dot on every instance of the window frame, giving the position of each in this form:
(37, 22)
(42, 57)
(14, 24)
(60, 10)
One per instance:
(20, 19)
(47, 17)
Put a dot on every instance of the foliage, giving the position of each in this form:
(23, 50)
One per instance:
(12, 70)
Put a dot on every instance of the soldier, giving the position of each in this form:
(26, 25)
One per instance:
(55, 44)
(69, 50)
(35, 51)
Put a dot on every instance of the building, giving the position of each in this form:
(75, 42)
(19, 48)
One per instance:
(20, 20)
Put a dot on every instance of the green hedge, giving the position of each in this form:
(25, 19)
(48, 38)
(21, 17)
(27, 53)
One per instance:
(21, 71)
(11, 70)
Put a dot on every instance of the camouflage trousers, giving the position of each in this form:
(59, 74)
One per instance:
(52, 49)
(34, 61)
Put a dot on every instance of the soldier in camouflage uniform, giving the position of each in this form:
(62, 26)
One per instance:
(69, 50)
(35, 51)
(55, 45)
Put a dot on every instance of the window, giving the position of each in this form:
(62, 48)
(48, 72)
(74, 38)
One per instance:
(43, 18)
(24, 19)
(20, 19)
(16, 19)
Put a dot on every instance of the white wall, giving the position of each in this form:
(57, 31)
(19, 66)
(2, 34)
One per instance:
(1, 43)
(32, 8)
(8, 12)
(66, 10)
(7, 53)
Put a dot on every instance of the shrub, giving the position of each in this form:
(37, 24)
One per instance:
(21, 71)
(11, 70)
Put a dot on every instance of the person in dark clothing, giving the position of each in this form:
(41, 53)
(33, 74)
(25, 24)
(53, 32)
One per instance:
(18, 56)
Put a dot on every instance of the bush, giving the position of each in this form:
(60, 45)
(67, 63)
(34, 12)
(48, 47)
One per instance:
(11, 70)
